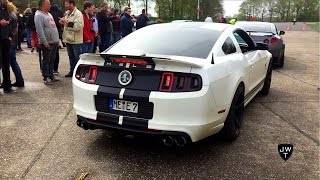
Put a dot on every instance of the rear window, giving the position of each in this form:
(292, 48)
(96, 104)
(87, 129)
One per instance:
(256, 27)
(189, 42)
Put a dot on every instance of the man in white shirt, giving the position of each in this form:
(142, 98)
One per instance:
(208, 19)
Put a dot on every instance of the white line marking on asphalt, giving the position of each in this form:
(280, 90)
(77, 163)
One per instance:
(121, 93)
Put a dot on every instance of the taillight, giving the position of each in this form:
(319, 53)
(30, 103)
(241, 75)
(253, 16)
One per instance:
(166, 82)
(180, 82)
(131, 61)
(87, 74)
(266, 41)
(274, 41)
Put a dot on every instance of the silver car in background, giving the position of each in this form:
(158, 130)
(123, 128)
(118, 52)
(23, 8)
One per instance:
(263, 32)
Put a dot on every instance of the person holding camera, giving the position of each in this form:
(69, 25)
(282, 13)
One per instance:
(88, 32)
(73, 33)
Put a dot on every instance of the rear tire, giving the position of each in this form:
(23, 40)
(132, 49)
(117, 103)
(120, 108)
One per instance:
(231, 129)
(267, 81)
(281, 60)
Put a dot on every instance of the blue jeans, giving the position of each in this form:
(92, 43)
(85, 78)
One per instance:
(74, 52)
(49, 57)
(104, 41)
(116, 36)
(28, 31)
(14, 65)
(87, 47)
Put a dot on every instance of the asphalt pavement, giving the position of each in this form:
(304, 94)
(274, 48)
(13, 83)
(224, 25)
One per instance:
(39, 138)
(289, 26)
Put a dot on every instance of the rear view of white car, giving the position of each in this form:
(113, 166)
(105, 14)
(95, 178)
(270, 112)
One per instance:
(179, 81)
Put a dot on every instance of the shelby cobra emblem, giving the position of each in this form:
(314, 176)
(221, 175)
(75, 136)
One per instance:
(125, 78)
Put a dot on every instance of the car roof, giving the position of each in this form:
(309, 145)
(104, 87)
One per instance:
(195, 25)
(254, 22)
(182, 20)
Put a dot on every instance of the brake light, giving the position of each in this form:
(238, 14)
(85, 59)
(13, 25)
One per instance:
(87, 74)
(274, 41)
(131, 61)
(266, 41)
(180, 82)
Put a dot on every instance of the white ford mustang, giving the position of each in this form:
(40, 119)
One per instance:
(181, 81)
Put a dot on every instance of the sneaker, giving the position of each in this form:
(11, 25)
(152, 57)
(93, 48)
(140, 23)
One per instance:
(18, 84)
(69, 74)
(55, 80)
(48, 81)
(55, 72)
(32, 50)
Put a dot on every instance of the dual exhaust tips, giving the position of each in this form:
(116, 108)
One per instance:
(178, 140)
(167, 140)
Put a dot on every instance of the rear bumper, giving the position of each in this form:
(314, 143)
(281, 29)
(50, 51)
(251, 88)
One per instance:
(276, 54)
(194, 114)
(106, 124)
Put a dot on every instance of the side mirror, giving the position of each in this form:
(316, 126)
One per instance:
(262, 46)
(282, 33)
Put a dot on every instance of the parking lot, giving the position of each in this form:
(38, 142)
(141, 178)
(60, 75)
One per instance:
(39, 138)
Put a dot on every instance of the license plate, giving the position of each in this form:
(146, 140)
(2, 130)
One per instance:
(121, 105)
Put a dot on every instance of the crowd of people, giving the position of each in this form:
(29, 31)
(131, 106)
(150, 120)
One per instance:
(222, 19)
(48, 29)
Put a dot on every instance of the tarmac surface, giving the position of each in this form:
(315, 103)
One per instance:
(288, 26)
(39, 138)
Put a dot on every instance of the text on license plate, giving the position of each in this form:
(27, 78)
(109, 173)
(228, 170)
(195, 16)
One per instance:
(121, 105)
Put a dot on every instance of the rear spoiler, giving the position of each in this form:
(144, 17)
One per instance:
(268, 33)
(161, 59)
(90, 57)
(180, 61)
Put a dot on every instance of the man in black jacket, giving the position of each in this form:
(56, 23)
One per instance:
(142, 20)
(5, 44)
(105, 27)
(126, 23)
(57, 13)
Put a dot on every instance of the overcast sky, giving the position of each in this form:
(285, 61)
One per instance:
(231, 7)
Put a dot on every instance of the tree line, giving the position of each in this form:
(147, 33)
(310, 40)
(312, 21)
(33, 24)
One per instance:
(166, 10)
(280, 10)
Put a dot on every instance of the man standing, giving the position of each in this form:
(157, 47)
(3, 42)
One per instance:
(27, 13)
(5, 46)
(12, 9)
(95, 25)
(105, 27)
(49, 39)
(57, 13)
(126, 23)
(222, 19)
(88, 32)
(73, 33)
(208, 19)
(142, 20)
(233, 21)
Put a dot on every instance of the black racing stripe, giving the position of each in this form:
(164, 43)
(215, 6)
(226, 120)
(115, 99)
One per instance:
(108, 92)
(143, 123)
(136, 95)
(108, 118)
(254, 90)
